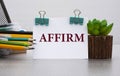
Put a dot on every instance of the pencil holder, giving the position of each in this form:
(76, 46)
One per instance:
(76, 19)
(42, 20)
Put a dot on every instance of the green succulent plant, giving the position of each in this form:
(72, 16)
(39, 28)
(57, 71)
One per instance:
(98, 28)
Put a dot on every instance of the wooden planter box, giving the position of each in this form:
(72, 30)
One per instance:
(100, 47)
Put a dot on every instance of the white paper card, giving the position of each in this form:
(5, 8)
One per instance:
(60, 40)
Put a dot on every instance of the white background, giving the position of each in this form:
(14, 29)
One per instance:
(60, 50)
(24, 11)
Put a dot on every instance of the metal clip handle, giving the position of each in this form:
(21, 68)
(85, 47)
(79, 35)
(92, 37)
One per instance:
(77, 12)
(40, 12)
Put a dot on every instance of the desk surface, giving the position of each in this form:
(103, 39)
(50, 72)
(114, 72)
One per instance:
(23, 65)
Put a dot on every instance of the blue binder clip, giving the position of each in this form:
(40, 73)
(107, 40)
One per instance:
(42, 20)
(76, 19)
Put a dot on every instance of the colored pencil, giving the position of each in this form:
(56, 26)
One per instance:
(27, 41)
(15, 47)
(17, 52)
(20, 39)
(17, 39)
(17, 32)
(16, 35)
(5, 29)
(15, 43)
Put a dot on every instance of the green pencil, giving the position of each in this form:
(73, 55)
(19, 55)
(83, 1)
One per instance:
(14, 43)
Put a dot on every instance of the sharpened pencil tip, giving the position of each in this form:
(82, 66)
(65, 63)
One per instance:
(30, 48)
(34, 39)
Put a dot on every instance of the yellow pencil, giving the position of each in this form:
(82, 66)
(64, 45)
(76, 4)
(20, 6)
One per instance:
(14, 47)
(16, 35)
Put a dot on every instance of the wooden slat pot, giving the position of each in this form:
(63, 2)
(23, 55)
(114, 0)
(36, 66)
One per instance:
(100, 47)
